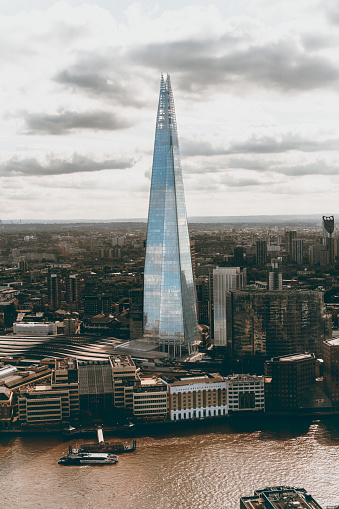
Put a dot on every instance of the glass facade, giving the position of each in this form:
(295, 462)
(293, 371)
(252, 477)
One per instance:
(169, 293)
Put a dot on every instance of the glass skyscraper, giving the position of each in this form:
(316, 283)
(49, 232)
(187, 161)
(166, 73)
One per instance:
(169, 293)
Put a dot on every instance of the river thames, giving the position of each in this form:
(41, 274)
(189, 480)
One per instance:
(205, 466)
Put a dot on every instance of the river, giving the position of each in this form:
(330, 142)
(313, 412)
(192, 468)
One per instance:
(199, 467)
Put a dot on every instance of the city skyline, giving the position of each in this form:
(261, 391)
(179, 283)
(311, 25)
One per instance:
(256, 94)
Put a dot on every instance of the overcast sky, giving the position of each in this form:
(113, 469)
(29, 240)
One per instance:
(256, 89)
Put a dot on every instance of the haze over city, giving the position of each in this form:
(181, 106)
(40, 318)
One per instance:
(256, 93)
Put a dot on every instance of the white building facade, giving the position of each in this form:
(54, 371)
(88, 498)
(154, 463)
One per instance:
(198, 397)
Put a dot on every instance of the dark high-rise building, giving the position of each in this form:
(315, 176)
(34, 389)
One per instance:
(136, 313)
(54, 291)
(169, 294)
(287, 380)
(275, 275)
(239, 256)
(261, 255)
(289, 237)
(73, 292)
(274, 323)
(328, 237)
(298, 251)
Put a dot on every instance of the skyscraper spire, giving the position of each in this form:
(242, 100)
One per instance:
(169, 294)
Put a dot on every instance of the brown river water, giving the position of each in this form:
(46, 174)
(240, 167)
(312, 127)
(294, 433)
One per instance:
(198, 467)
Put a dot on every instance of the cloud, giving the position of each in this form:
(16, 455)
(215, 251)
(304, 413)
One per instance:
(54, 166)
(100, 75)
(258, 145)
(281, 65)
(331, 9)
(319, 167)
(69, 121)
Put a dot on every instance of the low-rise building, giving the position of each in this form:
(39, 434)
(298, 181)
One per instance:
(65, 376)
(287, 380)
(150, 399)
(6, 407)
(43, 404)
(124, 376)
(35, 328)
(245, 392)
(198, 397)
(95, 386)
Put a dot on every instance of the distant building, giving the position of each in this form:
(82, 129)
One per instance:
(239, 256)
(275, 322)
(275, 275)
(287, 380)
(97, 304)
(35, 328)
(289, 237)
(328, 237)
(245, 392)
(70, 325)
(54, 291)
(200, 396)
(261, 252)
(73, 292)
(136, 313)
(279, 497)
(298, 251)
(224, 279)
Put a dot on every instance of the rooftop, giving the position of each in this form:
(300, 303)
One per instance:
(332, 342)
(280, 497)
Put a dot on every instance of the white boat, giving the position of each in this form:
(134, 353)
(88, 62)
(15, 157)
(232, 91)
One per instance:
(75, 457)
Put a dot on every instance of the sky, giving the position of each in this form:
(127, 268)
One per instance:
(256, 89)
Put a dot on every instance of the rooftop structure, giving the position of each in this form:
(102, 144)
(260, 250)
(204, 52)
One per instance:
(169, 293)
(279, 497)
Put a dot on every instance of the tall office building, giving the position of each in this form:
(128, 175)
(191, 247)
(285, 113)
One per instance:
(224, 279)
(328, 237)
(73, 292)
(275, 274)
(298, 251)
(54, 291)
(169, 294)
(289, 236)
(261, 255)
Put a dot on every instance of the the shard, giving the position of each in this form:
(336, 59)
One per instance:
(169, 294)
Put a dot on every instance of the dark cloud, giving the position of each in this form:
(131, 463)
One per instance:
(98, 75)
(68, 121)
(54, 166)
(258, 145)
(281, 65)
